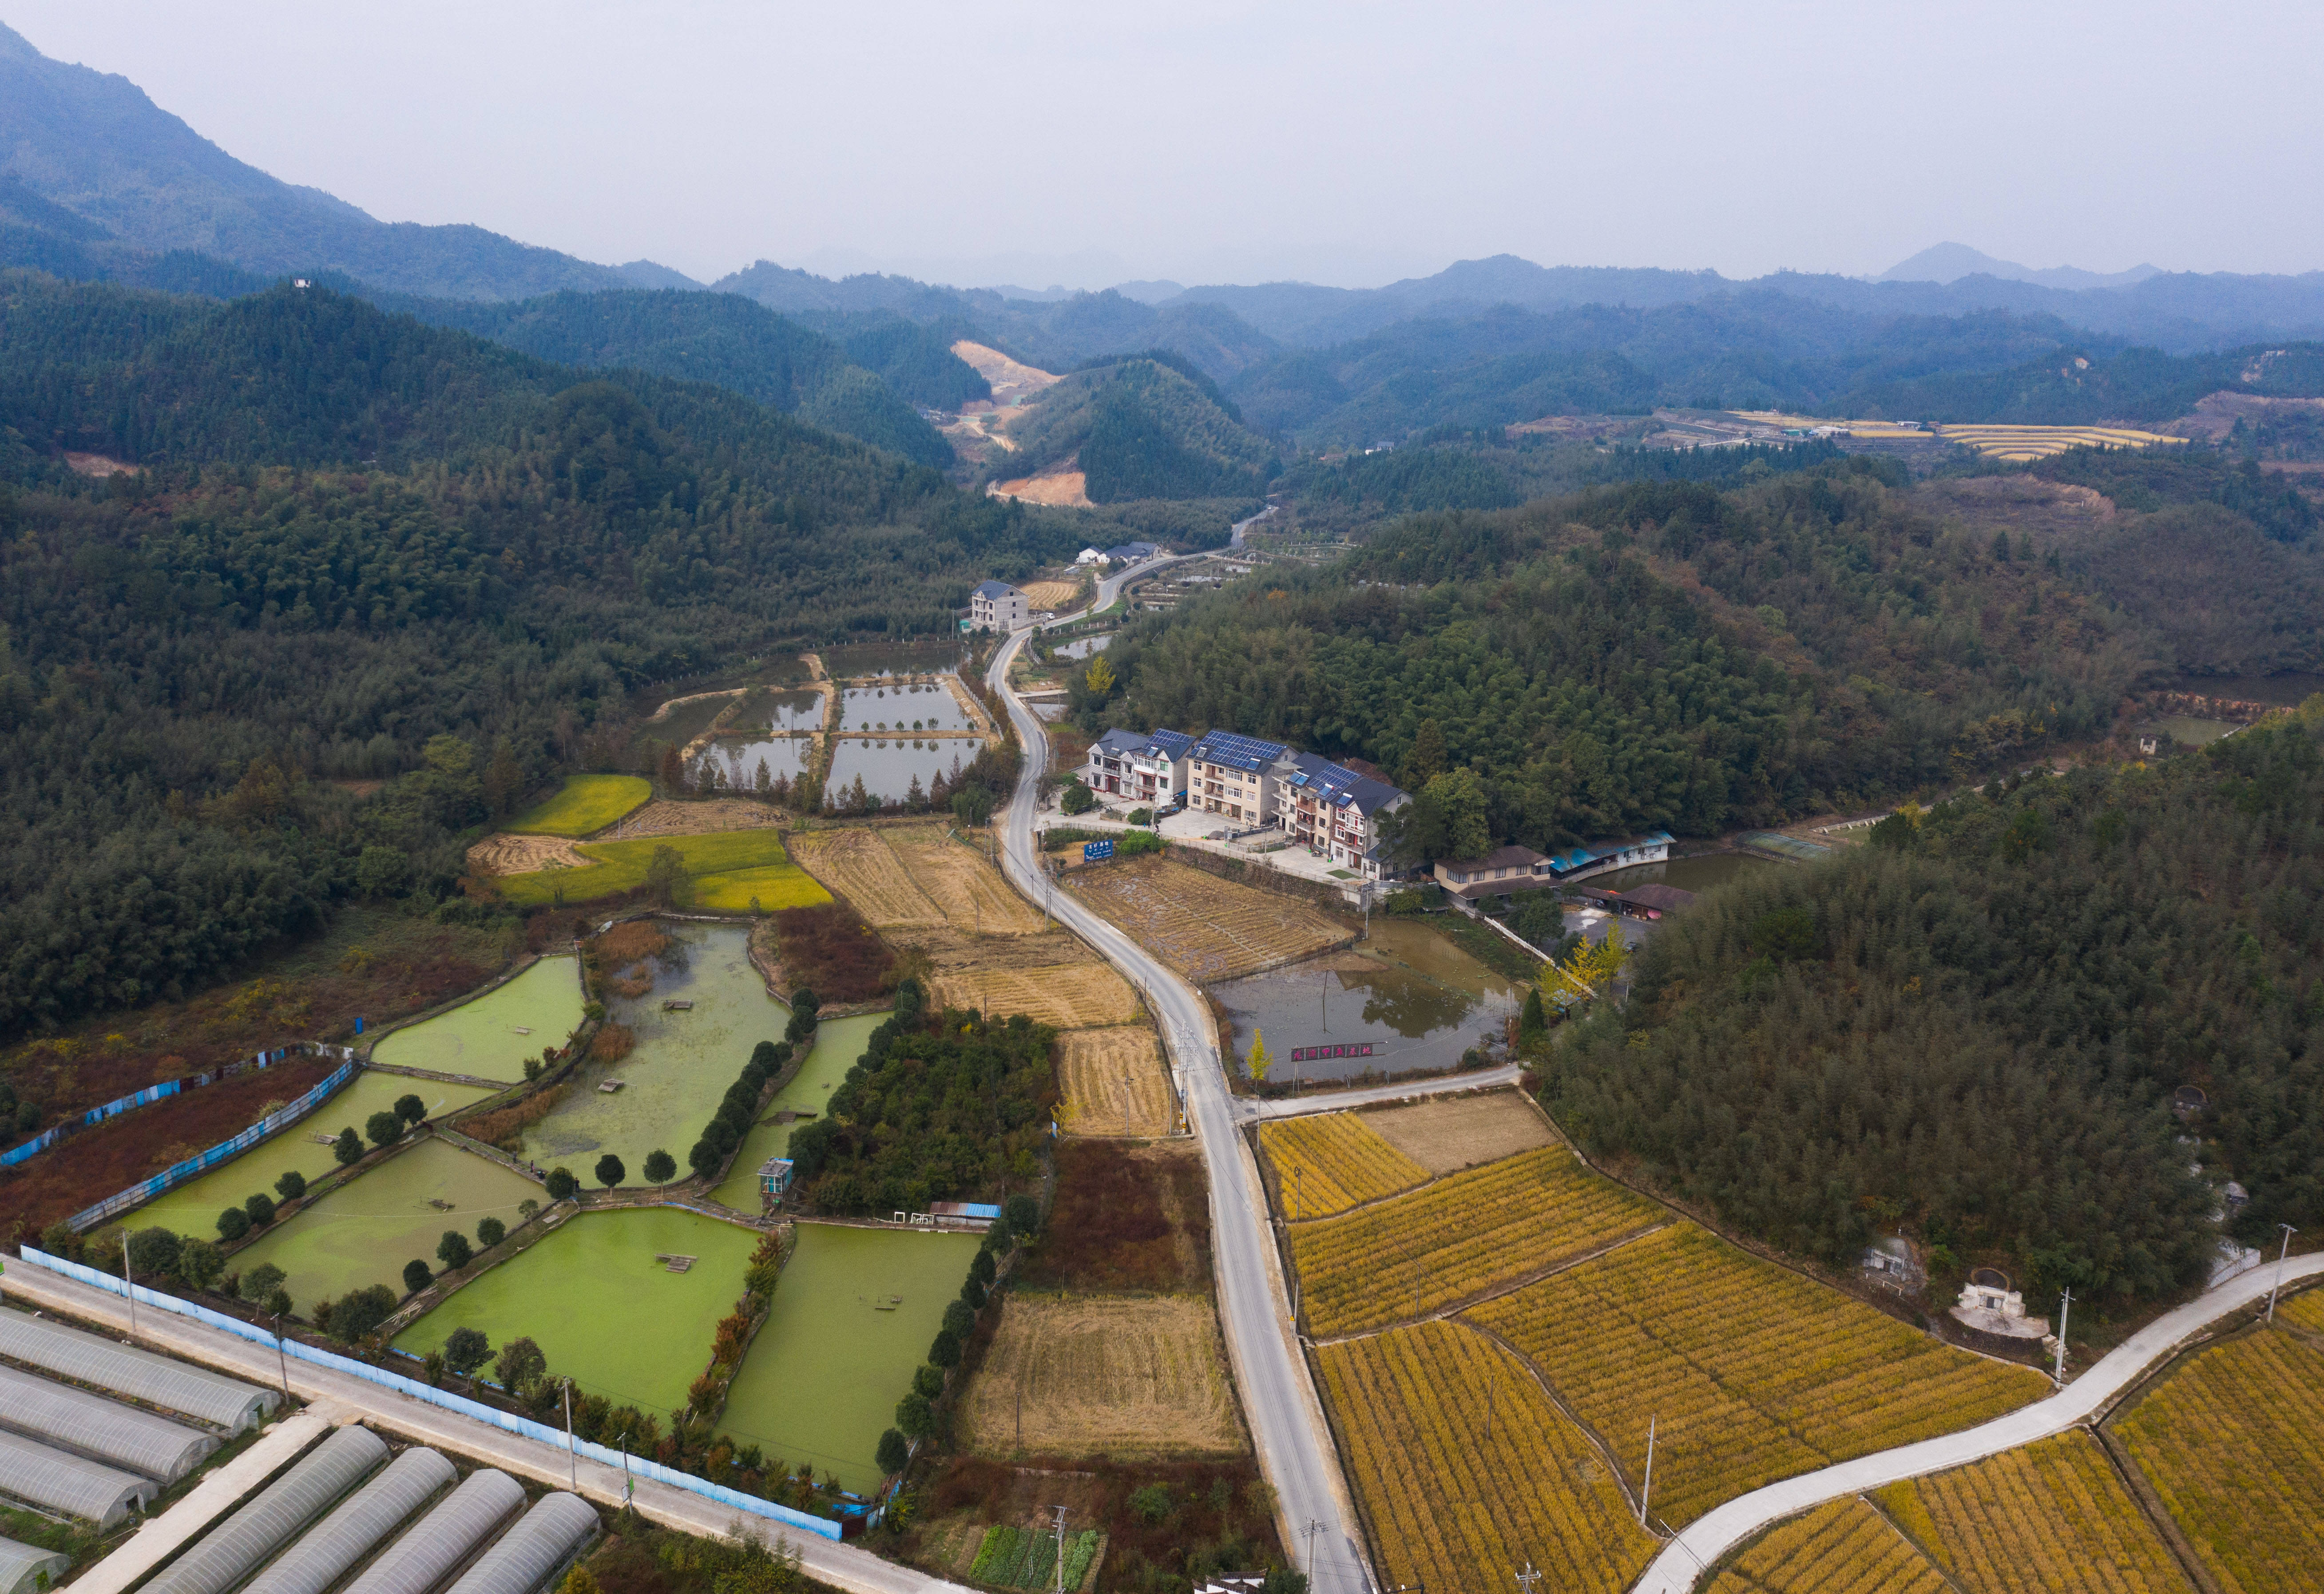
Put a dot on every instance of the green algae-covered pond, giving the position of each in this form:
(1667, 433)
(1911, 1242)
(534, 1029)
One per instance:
(364, 1231)
(684, 1061)
(837, 1046)
(491, 1036)
(192, 1209)
(822, 1379)
(604, 1311)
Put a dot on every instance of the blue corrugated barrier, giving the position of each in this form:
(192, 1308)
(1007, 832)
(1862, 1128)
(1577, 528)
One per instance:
(138, 1194)
(507, 1422)
(166, 1088)
(30, 1149)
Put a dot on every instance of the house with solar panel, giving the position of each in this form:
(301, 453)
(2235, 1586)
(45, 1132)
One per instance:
(1235, 776)
(1337, 813)
(1148, 768)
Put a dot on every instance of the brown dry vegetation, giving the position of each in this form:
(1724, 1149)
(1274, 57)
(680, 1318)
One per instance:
(92, 1165)
(1075, 996)
(1455, 1132)
(833, 951)
(613, 1042)
(856, 863)
(1207, 928)
(966, 889)
(506, 1127)
(663, 816)
(1049, 595)
(1113, 1376)
(1113, 1083)
(1126, 1218)
(523, 854)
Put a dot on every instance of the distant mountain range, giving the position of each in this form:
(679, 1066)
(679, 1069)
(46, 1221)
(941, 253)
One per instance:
(1949, 262)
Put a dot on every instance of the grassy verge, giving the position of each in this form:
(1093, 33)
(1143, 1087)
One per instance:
(728, 868)
(584, 805)
(1488, 945)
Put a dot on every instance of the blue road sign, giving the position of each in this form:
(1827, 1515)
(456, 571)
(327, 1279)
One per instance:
(1094, 851)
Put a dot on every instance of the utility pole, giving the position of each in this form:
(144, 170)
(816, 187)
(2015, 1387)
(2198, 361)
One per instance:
(1647, 1487)
(2282, 1249)
(627, 1487)
(1528, 1577)
(129, 1278)
(282, 1359)
(2065, 1304)
(572, 1459)
(1309, 1533)
(1125, 1103)
(1060, 1510)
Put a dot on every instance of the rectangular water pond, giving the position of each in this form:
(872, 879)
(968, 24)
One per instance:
(737, 759)
(912, 705)
(1416, 999)
(192, 1210)
(888, 765)
(1083, 647)
(604, 1309)
(838, 1045)
(364, 1231)
(853, 1319)
(491, 1036)
(785, 711)
(683, 1060)
(860, 660)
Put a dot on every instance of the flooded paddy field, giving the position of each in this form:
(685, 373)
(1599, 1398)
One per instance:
(912, 705)
(674, 1080)
(1416, 999)
(737, 759)
(364, 1231)
(192, 1209)
(853, 1317)
(1686, 874)
(491, 1036)
(888, 764)
(839, 1043)
(605, 1311)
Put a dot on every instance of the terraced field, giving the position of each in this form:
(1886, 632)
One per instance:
(1752, 1372)
(1332, 1161)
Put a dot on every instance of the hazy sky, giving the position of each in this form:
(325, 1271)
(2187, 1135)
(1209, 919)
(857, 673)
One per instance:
(1031, 142)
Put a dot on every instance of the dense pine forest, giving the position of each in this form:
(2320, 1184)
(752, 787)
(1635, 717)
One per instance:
(361, 548)
(1657, 655)
(1152, 426)
(1973, 1026)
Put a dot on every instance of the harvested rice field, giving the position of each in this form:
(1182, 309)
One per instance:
(1114, 1084)
(966, 889)
(1207, 928)
(1074, 996)
(1124, 1376)
(1449, 1133)
(858, 865)
(1049, 594)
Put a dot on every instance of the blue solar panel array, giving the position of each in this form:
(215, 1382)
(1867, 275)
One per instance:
(1237, 752)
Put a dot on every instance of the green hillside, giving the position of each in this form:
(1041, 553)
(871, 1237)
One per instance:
(1141, 429)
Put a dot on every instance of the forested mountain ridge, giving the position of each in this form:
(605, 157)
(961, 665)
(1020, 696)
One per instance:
(191, 652)
(1143, 429)
(1653, 655)
(1973, 1027)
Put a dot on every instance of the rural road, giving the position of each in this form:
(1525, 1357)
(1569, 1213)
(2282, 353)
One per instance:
(1713, 1535)
(1340, 1101)
(842, 1565)
(1286, 1420)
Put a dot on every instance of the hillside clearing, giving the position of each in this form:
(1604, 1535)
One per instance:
(1123, 1376)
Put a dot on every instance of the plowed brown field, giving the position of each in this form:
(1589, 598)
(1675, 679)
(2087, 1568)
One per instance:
(858, 865)
(1114, 1084)
(1207, 928)
(1121, 1376)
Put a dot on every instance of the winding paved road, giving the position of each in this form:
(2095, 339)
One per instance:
(1286, 1420)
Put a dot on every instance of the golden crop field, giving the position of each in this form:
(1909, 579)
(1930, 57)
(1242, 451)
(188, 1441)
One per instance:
(1447, 1241)
(1207, 928)
(583, 805)
(1841, 1547)
(2051, 1517)
(855, 862)
(1049, 595)
(1102, 1375)
(1749, 1371)
(2022, 443)
(1467, 1471)
(966, 888)
(1075, 996)
(2233, 1441)
(1112, 1082)
(1330, 1161)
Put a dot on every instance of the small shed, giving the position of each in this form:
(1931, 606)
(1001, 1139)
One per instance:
(774, 1182)
(1653, 900)
(964, 1214)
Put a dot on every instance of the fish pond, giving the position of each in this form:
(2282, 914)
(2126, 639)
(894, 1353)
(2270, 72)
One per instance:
(192, 1210)
(851, 1321)
(598, 1298)
(684, 1059)
(888, 765)
(780, 710)
(911, 706)
(737, 759)
(491, 1036)
(366, 1231)
(861, 660)
(1404, 998)
(839, 1043)
(1083, 647)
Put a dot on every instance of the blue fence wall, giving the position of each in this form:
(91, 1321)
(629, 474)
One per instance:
(507, 1422)
(166, 1088)
(139, 1194)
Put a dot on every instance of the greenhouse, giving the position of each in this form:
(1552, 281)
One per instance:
(56, 1481)
(443, 1539)
(22, 1568)
(356, 1529)
(90, 1359)
(245, 1540)
(535, 1550)
(105, 1429)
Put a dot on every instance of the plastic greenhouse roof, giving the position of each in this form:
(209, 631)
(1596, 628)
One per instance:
(74, 1485)
(226, 1403)
(120, 1435)
(555, 1527)
(334, 1545)
(447, 1535)
(236, 1546)
(21, 1566)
